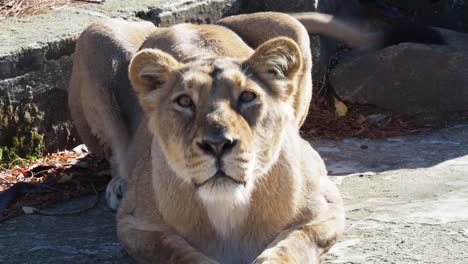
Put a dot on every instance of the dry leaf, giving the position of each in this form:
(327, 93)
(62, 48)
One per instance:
(340, 108)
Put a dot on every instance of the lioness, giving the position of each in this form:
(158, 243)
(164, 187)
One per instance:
(209, 147)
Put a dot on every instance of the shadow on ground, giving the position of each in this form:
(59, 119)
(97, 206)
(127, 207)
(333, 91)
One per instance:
(89, 237)
(410, 152)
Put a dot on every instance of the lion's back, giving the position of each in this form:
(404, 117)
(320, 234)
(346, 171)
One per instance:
(101, 100)
(188, 42)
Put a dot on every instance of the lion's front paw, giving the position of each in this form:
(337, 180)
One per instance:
(271, 256)
(283, 255)
(114, 192)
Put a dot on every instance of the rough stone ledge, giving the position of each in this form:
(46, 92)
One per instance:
(32, 58)
(199, 12)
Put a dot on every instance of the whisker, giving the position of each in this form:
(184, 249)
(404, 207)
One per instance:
(196, 163)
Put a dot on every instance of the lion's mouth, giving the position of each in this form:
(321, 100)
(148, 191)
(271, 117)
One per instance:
(219, 178)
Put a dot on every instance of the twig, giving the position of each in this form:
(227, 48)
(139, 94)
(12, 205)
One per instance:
(15, 160)
(358, 223)
(35, 174)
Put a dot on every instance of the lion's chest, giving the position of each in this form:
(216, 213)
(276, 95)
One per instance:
(219, 233)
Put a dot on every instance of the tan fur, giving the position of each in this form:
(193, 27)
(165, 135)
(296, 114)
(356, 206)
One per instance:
(275, 203)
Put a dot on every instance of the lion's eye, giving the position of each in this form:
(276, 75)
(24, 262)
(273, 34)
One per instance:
(246, 97)
(184, 101)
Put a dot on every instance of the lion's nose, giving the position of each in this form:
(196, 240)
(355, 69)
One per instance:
(217, 145)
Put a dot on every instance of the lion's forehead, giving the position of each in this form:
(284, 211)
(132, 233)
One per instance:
(215, 73)
(214, 67)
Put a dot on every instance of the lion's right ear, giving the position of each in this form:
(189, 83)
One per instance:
(278, 62)
(150, 69)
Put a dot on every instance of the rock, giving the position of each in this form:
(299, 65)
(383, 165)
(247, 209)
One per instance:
(81, 149)
(33, 99)
(407, 78)
(187, 11)
(376, 118)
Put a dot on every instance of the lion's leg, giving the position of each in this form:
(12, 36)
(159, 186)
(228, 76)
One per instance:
(109, 134)
(78, 114)
(140, 227)
(306, 243)
(95, 137)
(257, 28)
(153, 246)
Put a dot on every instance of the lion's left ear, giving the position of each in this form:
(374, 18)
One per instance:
(151, 69)
(279, 62)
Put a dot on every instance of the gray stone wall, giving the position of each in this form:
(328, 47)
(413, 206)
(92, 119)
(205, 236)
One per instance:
(34, 116)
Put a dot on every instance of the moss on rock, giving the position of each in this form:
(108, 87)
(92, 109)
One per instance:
(19, 134)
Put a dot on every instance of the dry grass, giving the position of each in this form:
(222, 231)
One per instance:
(19, 8)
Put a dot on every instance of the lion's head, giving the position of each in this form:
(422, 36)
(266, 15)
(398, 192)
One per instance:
(220, 120)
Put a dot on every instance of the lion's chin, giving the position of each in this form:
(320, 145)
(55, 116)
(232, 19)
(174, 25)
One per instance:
(220, 178)
(224, 189)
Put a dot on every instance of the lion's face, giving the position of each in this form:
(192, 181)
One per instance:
(219, 121)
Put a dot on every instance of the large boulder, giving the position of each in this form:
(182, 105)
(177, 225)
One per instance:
(408, 78)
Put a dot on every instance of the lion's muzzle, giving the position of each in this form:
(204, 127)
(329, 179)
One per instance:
(217, 144)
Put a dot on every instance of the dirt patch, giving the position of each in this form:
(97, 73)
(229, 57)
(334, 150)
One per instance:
(361, 121)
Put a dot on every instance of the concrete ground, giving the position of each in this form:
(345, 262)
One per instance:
(406, 201)
(406, 197)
